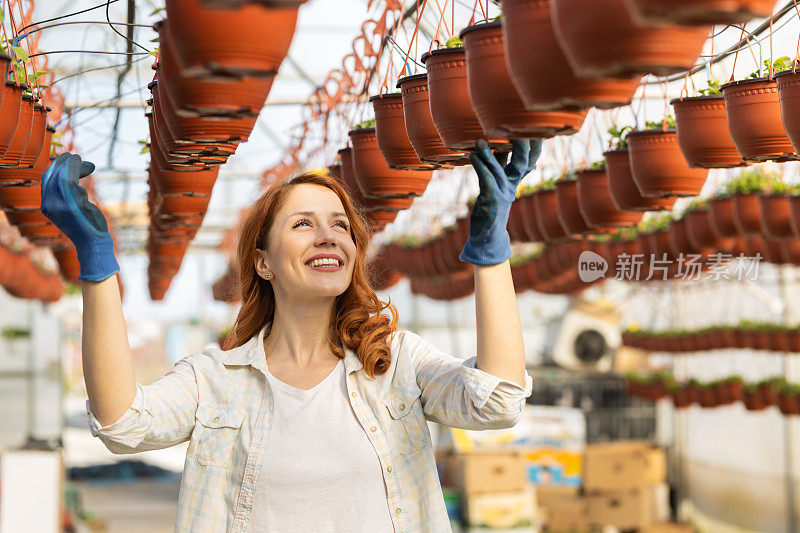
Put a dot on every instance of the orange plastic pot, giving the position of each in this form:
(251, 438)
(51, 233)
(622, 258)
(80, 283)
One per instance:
(541, 72)
(703, 136)
(525, 207)
(419, 124)
(701, 234)
(194, 97)
(601, 40)
(546, 211)
(692, 12)
(22, 135)
(789, 98)
(776, 216)
(569, 213)
(251, 40)
(390, 131)
(373, 175)
(10, 108)
(449, 100)
(623, 189)
(14, 197)
(67, 258)
(596, 205)
(722, 216)
(754, 120)
(36, 141)
(494, 97)
(747, 214)
(171, 183)
(658, 166)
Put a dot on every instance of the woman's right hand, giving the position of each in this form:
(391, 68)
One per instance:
(66, 203)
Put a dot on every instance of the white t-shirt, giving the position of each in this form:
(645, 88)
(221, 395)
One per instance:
(320, 471)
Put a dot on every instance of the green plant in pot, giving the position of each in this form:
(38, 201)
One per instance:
(751, 180)
(365, 124)
(666, 123)
(713, 88)
(619, 137)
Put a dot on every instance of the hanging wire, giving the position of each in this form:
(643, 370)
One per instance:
(107, 52)
(98, 6)
(111, 25)
(40, 28)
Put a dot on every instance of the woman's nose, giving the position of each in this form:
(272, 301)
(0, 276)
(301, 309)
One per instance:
(325, 235)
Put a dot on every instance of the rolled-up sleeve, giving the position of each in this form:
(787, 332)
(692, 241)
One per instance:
(161, 415)
(458, 394)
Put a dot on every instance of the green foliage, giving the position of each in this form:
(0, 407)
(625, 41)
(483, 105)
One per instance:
(778, 65)
(697, 204)
(619, 136)
(365, 124)
(655, 222)
(547, 184)
(145, 147)
(527, 190)
(11, 333)
(713, 87)
(566, 176)
(791, 388)
(598, 165)
(454, 42)
(669, 120)
(752, 180)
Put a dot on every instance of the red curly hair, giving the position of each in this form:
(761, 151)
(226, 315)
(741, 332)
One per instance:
(357, 321)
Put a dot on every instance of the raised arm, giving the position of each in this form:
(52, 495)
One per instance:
(500, 348)
(107, 361)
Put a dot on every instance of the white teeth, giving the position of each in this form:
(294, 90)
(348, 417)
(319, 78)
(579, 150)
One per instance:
(326, 261)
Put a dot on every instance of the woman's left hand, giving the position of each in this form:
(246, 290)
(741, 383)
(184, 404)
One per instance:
(488, 242)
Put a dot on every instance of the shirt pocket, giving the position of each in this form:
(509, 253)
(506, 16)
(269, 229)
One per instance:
(215, 432)
(407, 419)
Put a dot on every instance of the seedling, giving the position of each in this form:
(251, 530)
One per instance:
(619, 136)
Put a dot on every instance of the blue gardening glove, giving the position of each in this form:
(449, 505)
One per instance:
(67, 205)
(488, 242)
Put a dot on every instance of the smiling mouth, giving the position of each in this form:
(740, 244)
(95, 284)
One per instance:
(325, 265)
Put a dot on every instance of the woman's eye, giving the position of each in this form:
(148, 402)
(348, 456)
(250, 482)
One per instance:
(342, 223)
(303, 221)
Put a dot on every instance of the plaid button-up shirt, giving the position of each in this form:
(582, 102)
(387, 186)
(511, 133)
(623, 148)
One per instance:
(220, 401)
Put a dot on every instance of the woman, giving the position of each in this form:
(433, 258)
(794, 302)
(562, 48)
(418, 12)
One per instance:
(316, 419)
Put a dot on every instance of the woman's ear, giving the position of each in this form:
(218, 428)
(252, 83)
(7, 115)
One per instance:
(262, 269)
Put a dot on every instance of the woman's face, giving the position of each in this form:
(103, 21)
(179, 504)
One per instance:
(311, 252)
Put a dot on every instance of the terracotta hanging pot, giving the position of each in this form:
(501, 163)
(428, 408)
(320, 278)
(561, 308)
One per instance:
(754, 120)
(203, 97)
(67, 258)
(596, 205)
(175, 183)
(789, 96)
(24, 197)
(601, 40)
(420, 128)
(390, 130)
(546, 205)
(450, 104)
(747, 214)
(569, 213)
(694, 12)
(36, 141)
(702, 128)
(722, 215)
(251, 40)
(679, 240)
(794, 205)
(374, 176)
(10, 109)
(790, 251)
(529, 228)
(494, 97)
(22, 135)
(516, 223)
(540, 71)
(776, 216)
(700, 233)
(658, 166)
(623, 188)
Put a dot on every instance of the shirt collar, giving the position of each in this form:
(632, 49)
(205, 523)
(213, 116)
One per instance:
(252, 353)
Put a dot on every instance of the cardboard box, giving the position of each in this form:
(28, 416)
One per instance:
(491, 471)
(502, 510)
(569, 515)
(547, 494)
(631, 509)
(623, 466)
(669, 527)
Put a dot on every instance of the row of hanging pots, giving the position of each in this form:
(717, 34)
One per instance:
(22, 278)
(752, 120)
(553, 270)
(453, 286)
(436, 257)
(772, 337)
(226, 288)
(382, 271)
(229, 44)
(775, 216)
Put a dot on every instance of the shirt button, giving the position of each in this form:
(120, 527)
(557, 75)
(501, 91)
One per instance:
(397, 511)
(216, 419)
(388, 468)
(353, 394)
(402, 406)
(373, 428)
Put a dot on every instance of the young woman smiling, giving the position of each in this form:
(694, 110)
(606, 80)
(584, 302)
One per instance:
(315, 420)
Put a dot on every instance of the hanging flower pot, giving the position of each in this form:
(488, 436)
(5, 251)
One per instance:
(516, 223)
(776, 216)
(36, 141)
(623, 188)
(722, 215)
(601, 40)
(390, 131)
(546, 209)
(790, 251)
(420, 128)
(789, 400)
(22, 135)
(596, 205)
(21, 197)
(67, 258)
(450, 105)
(526, 213)
(194, 97)
(540, 71)
(693, 12)
(10, 109)
(754, 120)
(251, 40)
(494, 97)
(374, 176)
(747, 214)
(789, 96)
(570, 214)
(679, 240)
(700, 233)
(702, 129)
(175, 183)
(752, 399)
(34, 174)
(658, 166)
